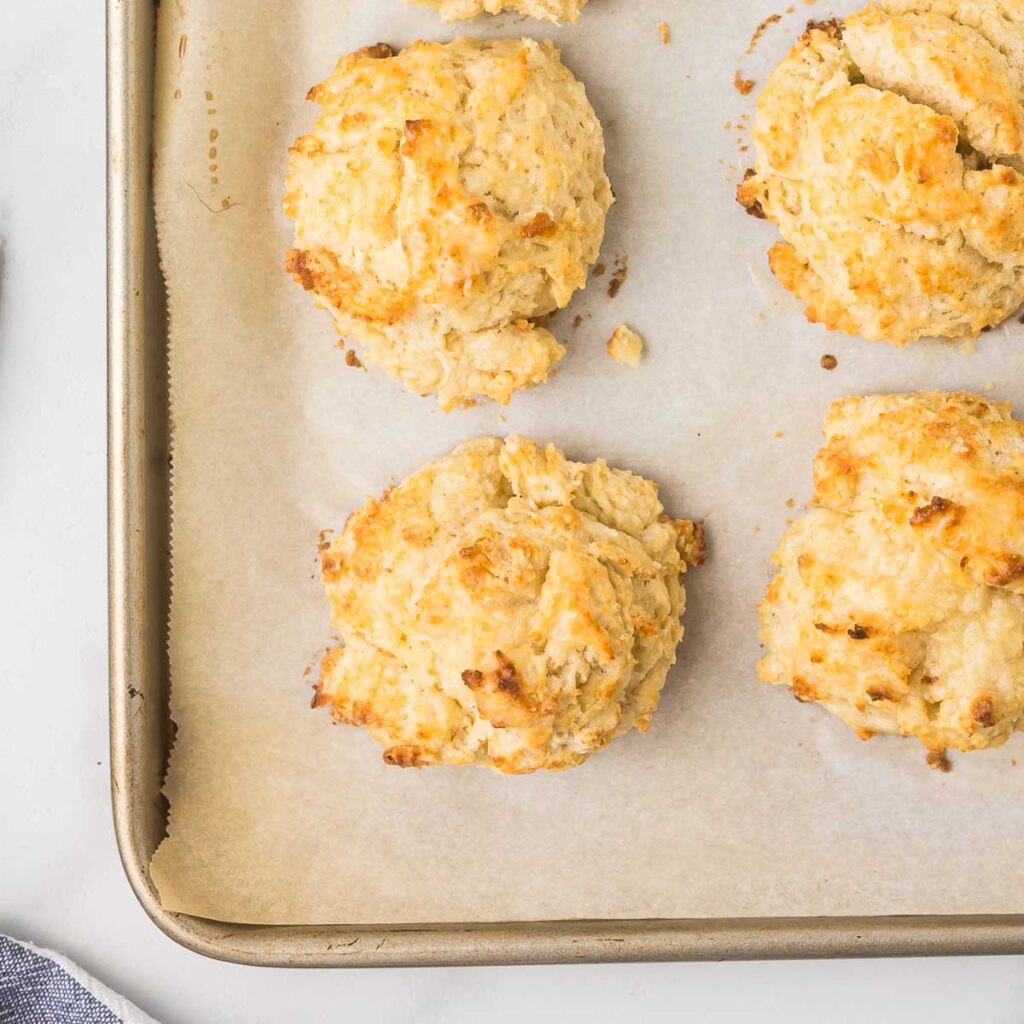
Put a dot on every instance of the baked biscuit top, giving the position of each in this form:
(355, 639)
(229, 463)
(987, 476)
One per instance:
(888, 151)
(505, 607)
(899, 601)
(447, 198)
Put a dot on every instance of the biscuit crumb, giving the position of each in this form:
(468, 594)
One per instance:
(778, 434)
(790, 503)
(619, 276)
(351, 359)
(988, 387)
(665, 33)
(625, 346)
(599, 269)
(761, 29)
(829, 362)
(744, 86)
(937, 760)
(576, 321)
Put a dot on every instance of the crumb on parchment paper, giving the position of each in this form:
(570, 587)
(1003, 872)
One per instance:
(744, 86)
(665, 32)
(937, 759)
(625, 346)
(829, 362)
(761, 29)
(619, 276)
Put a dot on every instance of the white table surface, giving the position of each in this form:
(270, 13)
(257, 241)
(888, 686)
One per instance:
(61, 883)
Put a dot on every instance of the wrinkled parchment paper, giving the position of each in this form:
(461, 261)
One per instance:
(739, 801)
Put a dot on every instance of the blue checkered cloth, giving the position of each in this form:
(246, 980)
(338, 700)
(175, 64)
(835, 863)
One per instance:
(39, 987)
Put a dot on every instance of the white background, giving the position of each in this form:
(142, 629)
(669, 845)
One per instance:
(61, 883)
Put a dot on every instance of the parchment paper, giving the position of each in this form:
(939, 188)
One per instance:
(739, 801)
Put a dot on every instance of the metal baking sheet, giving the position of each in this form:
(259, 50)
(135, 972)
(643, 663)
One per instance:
(140, 722)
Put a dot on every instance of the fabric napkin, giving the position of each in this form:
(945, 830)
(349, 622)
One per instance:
(40, 987)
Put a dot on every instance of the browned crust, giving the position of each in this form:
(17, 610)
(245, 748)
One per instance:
(983, 712)
(832, 27)
(499, 694)
(1006, 569)
(540, 226)
(331, 566)
(695, 544)
(327, 664)
(379, 51)
(746, 196)
(804, 691)
(318, 271)
(415, 133)
(936, 507)
(405, 757)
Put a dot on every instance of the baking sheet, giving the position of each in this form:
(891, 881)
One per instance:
(738, 802)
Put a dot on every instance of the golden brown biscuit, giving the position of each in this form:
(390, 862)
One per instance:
(546, 10)
(447, 197)
(505, 607)
(887, 155)
(899, 603)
